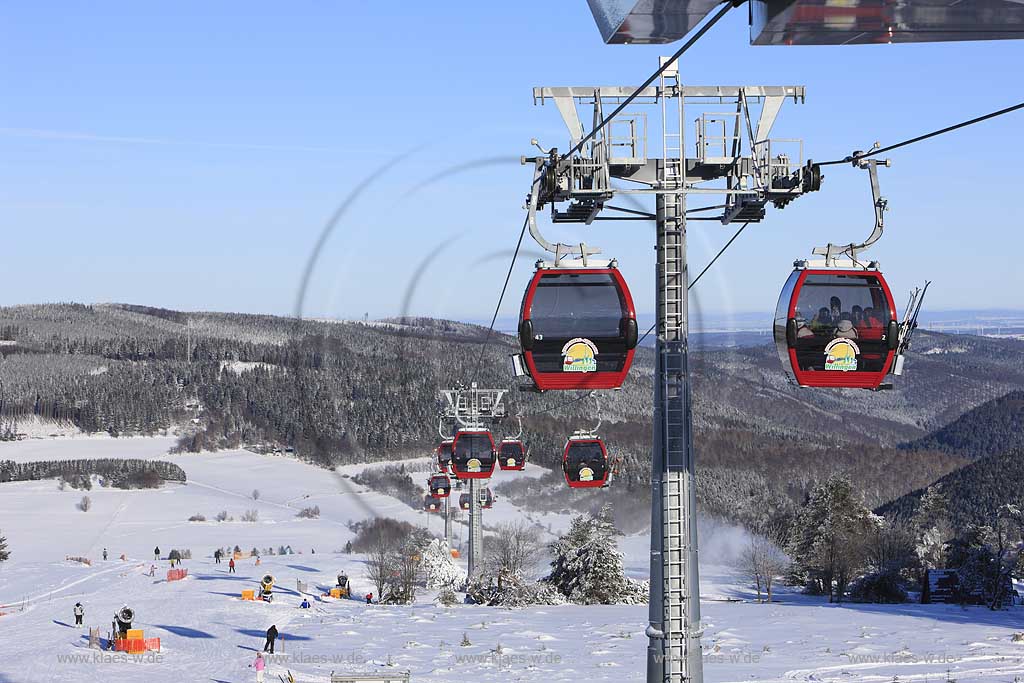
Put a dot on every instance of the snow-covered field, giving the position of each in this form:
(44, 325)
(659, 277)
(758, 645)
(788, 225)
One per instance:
(208, 634)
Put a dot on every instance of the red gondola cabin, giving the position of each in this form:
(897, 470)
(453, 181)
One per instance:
(577, 328)
(431, 504)
(512, 455)
(440, 485)
(585, 462)
(444, 455)
(836, 328)
(473, 454)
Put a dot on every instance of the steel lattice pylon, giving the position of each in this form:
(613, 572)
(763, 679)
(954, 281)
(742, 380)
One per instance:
(470, 407)
(732, 145)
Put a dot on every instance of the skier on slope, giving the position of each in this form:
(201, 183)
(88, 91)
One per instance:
(231, 566)
(305, 604)
(271, 637)
(104, 554)
(79, 613)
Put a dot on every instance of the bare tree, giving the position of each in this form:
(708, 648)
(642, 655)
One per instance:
(891, 547)
(763, 561)
(513, 549)
(380, 563)
(406, 564)
(85, 504)
(255, 494)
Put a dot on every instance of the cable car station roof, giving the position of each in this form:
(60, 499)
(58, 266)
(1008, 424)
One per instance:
(818, 22)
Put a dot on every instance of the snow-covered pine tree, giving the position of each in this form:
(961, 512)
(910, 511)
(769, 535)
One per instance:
(5, 554)
(829, 537)
(931, 526)
(587, 565)
(440, 569)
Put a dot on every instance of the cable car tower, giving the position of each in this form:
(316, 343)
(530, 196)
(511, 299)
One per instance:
(735, 158)
(469, 409)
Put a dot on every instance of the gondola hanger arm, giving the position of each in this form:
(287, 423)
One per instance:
(592, 432)
(545, 179)
(520, 434)
(832, 252)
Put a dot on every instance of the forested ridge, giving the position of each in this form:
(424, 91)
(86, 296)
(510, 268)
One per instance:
(991, 428)
(342, 392)
(124, 473)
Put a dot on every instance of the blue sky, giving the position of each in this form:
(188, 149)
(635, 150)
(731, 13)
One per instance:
(189, 157)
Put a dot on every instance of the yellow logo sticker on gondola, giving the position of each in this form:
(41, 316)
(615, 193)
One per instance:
(579, 355)
(511, 462)
(586, 474)
(841, 355)
(473, 465)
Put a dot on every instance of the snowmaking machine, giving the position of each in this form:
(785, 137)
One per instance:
(344, 589)
(267, 588)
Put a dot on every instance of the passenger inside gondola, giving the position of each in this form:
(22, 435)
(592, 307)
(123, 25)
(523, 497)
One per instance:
(822, 321)
(845, 329)
(835, 307)
(871, 327)
(857, 316)
(802, 330)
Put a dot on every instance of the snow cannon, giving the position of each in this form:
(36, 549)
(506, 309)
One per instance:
(123, 620)
(267, 588)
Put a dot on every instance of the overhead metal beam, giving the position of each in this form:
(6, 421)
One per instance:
(817, 22)
(585, 94)
(855, 22)
(648, 21)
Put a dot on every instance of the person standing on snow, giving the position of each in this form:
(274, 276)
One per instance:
(305, 604)
(271, 637)
(104, 553)
(79, 613)
(231, 566)
(369, 598)
(217, 554)
(259, 664)
(156, 553)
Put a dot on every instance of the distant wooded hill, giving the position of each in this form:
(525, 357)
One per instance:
(974, 493)
(992, 436)
(993, 427)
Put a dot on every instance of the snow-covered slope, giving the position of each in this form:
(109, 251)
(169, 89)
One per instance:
(208, 634)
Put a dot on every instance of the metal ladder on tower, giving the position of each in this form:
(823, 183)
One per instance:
(674, 389)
